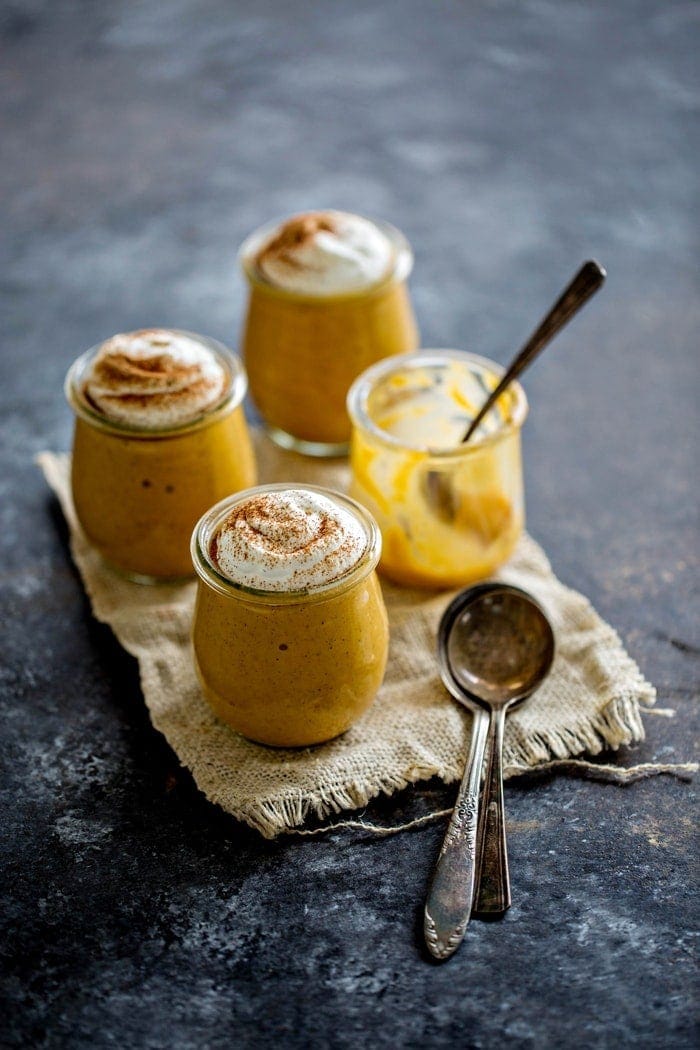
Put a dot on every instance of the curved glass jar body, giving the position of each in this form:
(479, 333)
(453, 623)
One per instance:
(449, 514)
(289, 669)
(302, 352)
(138, 493)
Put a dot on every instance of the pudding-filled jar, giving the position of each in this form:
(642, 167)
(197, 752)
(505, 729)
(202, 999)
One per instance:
(449, 513)
(160, 435)
(290, 630)
(328, 298)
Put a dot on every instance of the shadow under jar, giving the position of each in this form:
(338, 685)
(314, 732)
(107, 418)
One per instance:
(449, 513)
(303, 349)
(139, 490)
(288, 667)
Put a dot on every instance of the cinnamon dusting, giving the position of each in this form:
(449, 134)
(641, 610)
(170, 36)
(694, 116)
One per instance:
(119, 369)
(287, 540)
(294, 234)
(153, 374)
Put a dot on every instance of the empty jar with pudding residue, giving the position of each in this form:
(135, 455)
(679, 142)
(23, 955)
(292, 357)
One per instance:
(449, 513)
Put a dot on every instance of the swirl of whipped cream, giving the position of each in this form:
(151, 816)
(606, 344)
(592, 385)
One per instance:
(287, 540)
(154, 378)
(326, 253)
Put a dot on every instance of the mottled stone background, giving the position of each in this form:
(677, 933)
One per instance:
(510, 140)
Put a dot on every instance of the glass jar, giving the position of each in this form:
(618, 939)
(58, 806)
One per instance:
(139, 492)
(302, 352)
(449, 513)
(290, 668)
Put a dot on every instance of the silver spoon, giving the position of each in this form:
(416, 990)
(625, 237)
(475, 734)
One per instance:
(495, 647)
(438, 486)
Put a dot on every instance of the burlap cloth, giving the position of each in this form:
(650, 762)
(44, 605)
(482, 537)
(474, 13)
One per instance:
(412, 732)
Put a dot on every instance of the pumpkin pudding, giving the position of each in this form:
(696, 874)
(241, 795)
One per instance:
(160, 434)
(328, 298)
(290, 631)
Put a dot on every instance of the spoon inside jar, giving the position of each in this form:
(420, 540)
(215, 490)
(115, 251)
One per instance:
(496, 647)
(437, 485)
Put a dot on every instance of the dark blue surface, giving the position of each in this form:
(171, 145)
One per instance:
(509, 140)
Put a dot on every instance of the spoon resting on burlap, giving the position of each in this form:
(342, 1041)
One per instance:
(495, 648)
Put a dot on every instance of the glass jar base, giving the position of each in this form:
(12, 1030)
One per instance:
(289, 747)
(319, 449)
(145, 580)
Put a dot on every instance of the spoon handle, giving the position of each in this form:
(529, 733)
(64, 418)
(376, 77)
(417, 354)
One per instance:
(586, 282)
(493, 881)
(449, 903)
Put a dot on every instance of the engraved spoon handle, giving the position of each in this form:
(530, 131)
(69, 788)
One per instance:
(493, 880)
(449, 903)
(586, 282)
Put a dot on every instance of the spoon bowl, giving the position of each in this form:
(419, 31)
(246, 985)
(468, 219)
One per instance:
(495, 644)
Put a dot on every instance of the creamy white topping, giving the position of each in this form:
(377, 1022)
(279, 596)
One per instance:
(326, 253)
(287, 540)
(154, 378)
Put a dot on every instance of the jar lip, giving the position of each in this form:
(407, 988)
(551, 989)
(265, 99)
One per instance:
(232, 397)
(360, 390)
(403, 263)
(207, 525)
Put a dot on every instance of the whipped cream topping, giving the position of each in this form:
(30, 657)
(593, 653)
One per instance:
(326, 253)
(287, 540)
(154, 378)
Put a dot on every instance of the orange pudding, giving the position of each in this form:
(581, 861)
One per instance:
(158, 438)
(328, 298)
(290, 630)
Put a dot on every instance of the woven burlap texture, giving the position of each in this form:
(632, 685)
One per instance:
(412, 732)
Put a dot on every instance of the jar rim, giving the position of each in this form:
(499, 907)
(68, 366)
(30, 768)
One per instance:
(403, 262)
(207, 525)
(358, 397)
(232, 397)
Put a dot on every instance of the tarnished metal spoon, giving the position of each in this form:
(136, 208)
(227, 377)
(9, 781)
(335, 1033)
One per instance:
(495, 647)
(437, 485)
